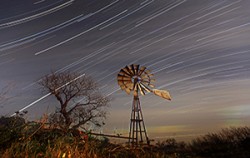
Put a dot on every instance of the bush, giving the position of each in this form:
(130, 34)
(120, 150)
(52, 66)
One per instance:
(10, 130)
(36, 139)
(230, 142)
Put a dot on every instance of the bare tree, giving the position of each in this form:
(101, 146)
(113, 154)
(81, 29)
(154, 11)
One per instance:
(81, 102)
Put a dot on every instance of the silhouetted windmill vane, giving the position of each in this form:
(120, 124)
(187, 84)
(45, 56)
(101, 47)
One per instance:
(139, 80)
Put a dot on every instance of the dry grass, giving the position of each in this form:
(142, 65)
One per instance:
(36, 140)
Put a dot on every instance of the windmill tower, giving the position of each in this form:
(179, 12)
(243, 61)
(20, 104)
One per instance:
(138, 80)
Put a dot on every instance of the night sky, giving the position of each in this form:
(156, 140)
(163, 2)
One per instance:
(198, 50)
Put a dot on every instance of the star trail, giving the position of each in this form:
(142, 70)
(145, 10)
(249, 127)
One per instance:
(197, 49)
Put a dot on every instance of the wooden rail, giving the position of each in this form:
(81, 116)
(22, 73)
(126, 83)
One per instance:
(109, 135)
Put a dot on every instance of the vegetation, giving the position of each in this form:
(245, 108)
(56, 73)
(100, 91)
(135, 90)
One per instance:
(79, 98)
(19, 138)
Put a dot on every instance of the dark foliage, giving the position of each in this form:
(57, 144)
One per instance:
(10, 128)
(231, 142)
(19, 139)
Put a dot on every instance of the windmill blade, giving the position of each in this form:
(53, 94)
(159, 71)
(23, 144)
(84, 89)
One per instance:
(151, 85)
(129, 69)
(125, 78)
(152, 80)
(162, 93)
(147, 80)
(141, 89)
(150, 75)
(142, 69)
(145, 87)
(133, 69)
(123, 87)
(129, 85)
(127, 90)
(120, 83)
(124, 82)
(146, 76)
(136, 67)
(147, 83)
(124, 73)
(147, 71)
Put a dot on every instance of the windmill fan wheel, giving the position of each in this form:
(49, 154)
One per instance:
(135, 78)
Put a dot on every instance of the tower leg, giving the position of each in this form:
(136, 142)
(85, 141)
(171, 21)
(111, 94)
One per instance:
(137, 131)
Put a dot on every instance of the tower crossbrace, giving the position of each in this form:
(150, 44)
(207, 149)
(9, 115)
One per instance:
(137, 131)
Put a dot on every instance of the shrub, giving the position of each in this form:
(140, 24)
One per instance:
(10, 130)
(230, 142)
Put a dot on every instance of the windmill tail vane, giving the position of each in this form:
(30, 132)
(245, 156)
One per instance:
(162, 93)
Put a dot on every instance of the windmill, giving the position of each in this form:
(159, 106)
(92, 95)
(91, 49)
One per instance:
(138, 80)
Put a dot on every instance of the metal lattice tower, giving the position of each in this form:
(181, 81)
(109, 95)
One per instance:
(137, 131)
(138, 79)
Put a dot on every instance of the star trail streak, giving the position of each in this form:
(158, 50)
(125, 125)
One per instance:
(198, 50)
